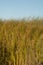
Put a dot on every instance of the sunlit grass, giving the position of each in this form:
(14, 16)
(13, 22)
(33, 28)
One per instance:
(21, 42)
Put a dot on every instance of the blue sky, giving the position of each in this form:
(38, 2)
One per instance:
(20, 8)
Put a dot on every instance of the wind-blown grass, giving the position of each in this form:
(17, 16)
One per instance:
(21, 42)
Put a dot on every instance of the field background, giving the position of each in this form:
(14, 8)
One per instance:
(21, 42)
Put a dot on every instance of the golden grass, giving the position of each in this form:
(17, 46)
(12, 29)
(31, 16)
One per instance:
(21, 42)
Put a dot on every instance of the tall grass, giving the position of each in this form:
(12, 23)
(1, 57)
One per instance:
(21, 42)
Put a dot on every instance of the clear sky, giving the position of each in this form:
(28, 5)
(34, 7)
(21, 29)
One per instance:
(20, 8)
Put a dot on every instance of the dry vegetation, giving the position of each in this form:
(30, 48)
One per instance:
(21, 42)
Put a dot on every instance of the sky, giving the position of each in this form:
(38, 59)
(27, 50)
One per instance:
(21, 8)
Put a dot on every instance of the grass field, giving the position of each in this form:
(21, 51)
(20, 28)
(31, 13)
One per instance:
(21, 42)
